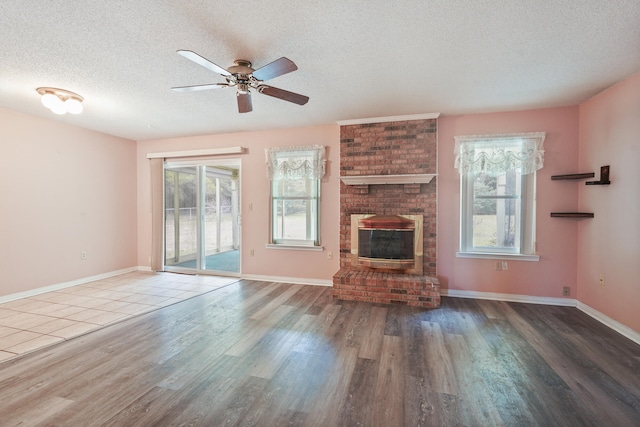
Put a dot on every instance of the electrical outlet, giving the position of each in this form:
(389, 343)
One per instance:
(501, 265)
(252, 253)
(566, 291)
(83, 255)
(602, 280)
(505, 266)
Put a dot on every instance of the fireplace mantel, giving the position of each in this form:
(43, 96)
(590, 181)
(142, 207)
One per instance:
(417, 178)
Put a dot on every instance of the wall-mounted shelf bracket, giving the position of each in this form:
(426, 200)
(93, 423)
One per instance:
(604, 177)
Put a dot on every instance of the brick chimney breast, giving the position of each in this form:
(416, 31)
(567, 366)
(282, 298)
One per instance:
(389, 148)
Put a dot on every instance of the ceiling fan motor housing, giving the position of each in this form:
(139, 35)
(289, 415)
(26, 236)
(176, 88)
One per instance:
(241, 67)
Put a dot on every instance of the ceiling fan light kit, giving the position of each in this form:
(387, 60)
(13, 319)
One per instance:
(60, 101)
(244, 78)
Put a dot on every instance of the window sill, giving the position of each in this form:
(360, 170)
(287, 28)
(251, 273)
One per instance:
(489, 255)
(295, 247)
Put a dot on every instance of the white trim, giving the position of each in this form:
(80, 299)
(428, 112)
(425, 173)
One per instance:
(232, 162)
(64, 285)
(294, 247)
(492, 255)
(293, 280)
(389, 119)
(415, 178)
(565, 302)
(607, 321)
(197, 153)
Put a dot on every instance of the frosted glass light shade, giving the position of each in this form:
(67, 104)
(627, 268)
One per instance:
(73, 106)
(49, 100)
(59, 108)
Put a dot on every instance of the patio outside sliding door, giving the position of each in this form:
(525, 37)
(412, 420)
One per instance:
(201, 217)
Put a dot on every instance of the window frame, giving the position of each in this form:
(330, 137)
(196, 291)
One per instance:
(292, 164)
(527, 205)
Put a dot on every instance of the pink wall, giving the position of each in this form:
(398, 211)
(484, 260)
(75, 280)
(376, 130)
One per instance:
(64, 190)
(255, 192)
(609, 244)
(556, 237)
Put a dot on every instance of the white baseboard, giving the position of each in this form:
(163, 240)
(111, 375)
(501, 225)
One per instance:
(565, 302)
(293, 280)
(613, 324)
(58, 286)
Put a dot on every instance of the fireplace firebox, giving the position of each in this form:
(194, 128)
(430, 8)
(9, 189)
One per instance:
(392, 242)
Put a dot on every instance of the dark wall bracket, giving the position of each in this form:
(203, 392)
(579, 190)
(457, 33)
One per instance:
(604, 177)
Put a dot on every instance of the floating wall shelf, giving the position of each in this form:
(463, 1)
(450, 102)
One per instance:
(571, 215)
(573, 176)
(604, 180)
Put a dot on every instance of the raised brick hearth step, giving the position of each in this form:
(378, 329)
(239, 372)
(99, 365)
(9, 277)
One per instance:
(386, 288)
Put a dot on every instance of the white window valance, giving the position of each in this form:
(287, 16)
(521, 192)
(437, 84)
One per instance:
(496, 154)
(292, 163)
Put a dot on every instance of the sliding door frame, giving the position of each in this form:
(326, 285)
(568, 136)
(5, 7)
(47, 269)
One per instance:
(201, 176)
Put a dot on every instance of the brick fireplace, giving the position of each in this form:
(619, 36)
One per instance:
(388, 168)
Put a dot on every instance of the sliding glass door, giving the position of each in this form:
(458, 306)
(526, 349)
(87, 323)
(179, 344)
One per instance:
(201, 217)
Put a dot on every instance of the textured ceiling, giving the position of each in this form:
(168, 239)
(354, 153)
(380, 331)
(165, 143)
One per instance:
(356, 59)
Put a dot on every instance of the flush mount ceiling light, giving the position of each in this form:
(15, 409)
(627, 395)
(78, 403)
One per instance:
(60, 101)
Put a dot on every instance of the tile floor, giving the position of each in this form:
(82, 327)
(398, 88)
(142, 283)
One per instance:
(35, 322)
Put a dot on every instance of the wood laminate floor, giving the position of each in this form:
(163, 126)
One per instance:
(272, 354)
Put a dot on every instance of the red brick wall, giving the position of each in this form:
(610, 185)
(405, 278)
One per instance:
(389, 148)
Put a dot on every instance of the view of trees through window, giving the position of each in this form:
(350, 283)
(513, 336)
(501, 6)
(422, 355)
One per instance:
(294, 209)
(496, 210)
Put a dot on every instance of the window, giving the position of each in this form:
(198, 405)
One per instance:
(295, 175)
(497, 194)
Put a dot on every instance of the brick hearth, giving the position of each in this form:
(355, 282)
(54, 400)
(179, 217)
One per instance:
(388, 148)
(386, 288)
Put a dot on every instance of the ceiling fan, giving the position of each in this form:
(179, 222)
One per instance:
(241, 76)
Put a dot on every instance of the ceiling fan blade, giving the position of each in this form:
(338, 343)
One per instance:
(199, 87)
(285, 95)
(244, 102)
(274, 69)
(204, 62)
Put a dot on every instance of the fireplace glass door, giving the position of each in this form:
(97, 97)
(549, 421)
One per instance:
(386, 244)
(387, 241)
